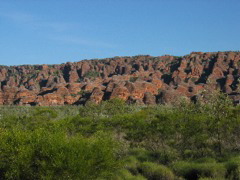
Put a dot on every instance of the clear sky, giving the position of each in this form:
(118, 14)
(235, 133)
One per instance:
(58, 31)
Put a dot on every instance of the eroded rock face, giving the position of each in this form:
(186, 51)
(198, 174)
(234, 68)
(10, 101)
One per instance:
(96, 95)
(149, 98)
(139, 79)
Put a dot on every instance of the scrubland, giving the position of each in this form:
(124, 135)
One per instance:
(113, 140)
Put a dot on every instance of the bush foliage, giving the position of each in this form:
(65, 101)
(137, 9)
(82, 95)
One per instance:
(114, 140)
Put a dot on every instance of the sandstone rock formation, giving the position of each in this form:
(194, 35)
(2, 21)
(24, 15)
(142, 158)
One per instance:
(139, 79)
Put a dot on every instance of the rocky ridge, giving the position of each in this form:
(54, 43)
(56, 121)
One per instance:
(140, 79)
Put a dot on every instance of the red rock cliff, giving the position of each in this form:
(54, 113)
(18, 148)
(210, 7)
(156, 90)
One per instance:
(138, 79)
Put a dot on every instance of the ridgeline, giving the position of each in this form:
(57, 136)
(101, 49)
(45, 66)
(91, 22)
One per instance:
(139, 79)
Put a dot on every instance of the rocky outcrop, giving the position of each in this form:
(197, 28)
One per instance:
(140, 79)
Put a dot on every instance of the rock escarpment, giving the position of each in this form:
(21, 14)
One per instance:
(140, 79)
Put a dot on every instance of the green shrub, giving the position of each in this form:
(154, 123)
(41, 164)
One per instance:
(154, 171)
(165, 156)
(177, 57)
(108, 108)
(131, 163)
(206, 160)
(133, 79)
(79, 125)
(233, 168)
(45, 113)
(42, 155)
(126, 175)
(139, 177)
(191, 170)
(141, 154)
(123, 174)
(211, 178)
(39, 117)
(91, 74)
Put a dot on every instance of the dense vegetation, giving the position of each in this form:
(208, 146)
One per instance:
(113, 140)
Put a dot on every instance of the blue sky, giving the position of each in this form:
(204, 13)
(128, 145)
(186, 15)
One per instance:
(58, 31)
